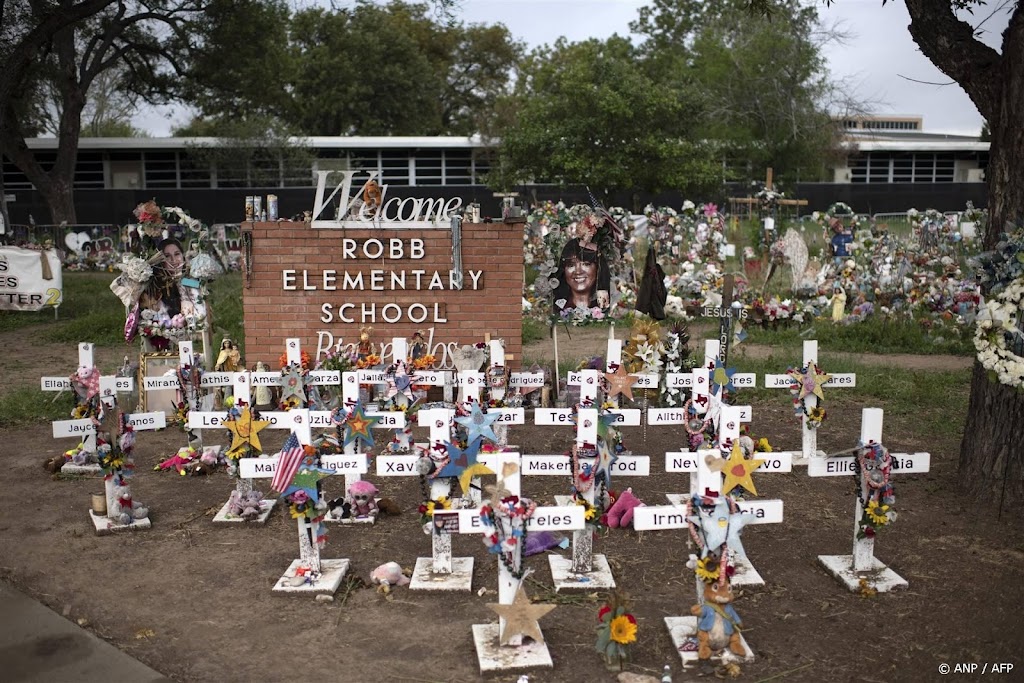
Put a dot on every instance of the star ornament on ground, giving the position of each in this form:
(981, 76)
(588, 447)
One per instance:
(520, 618)
(479, 425)
(620, 383)
(737, 471)
(810, 380)
(358, 425)
(245, 431)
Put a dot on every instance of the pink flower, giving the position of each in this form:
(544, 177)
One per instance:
(710, 210)
(597, 313)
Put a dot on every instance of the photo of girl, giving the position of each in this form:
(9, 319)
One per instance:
(583, 278)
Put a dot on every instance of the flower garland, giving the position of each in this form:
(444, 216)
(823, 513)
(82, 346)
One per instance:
(507, 538)
(998, 336)
(873, 468)
(617, 630)
(428, 508)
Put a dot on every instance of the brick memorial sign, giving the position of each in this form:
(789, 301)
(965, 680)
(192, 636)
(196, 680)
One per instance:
(407, 265)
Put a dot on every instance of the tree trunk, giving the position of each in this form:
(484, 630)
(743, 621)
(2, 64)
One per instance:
(61, 200)
(991, 456)
(991, 464)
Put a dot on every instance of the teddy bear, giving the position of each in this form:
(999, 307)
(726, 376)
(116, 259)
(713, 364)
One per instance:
(246, 506)
(620, 514)
(360, 496)
(127, 510)
(718, 624)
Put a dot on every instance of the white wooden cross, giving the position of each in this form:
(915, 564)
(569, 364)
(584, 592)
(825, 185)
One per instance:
(809, 439)
(862, 569)
(84, 429)
(115, 499)
(517, 654)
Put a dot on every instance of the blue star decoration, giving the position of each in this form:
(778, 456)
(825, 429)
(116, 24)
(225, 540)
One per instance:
(459, 459)
(479, 425)
(358, 426)
(721, 377)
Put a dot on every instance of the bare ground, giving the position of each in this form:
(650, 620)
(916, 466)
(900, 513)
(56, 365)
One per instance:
(193, 600)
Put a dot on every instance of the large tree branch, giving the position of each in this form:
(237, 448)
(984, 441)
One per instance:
(951, 46)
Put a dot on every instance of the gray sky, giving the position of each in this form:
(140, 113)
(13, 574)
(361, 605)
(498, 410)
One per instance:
(876, 62)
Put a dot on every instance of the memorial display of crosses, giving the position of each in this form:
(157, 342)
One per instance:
(91, 390)
(872, 466)
(806, 385)
(121, 511)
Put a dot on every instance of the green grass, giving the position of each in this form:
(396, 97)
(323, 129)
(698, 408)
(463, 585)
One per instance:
(873, 335)
(31, 406)
(226, 302)
(929, 397)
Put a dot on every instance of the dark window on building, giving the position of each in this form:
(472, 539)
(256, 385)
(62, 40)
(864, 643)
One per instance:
(859, 169)
(458, 167)
(194, 173)
(395, 166)
(428, 167)
(161, 169)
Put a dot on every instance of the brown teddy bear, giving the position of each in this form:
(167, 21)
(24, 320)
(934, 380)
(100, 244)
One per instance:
(718, 624)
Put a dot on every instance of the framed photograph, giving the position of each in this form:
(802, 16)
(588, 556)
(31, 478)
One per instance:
(163, 399)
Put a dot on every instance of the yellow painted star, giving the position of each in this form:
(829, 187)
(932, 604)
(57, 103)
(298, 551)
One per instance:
(245, 431)
(811, 381)
(620, 382)
(520, 618)
(737, 471)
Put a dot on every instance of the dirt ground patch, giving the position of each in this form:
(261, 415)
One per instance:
(204, 590)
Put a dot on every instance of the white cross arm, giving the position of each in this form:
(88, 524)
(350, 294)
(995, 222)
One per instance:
(264, 468)
(686, 461)
(526, 380)
(549, 518)
(684, 380)
(902, 463)
(839, 379)
(624, 465)
(651, 517)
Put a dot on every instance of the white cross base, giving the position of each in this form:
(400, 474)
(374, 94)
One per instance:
(494, 657)
(332, 572)
(862, 569)
(683, 631)
(105, 526)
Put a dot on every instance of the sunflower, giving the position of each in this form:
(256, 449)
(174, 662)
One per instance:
(623, 629)
(817, 414)
(708, 569)
(763, 446)
(878, 514)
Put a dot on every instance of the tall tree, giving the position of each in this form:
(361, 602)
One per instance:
(767, 95)
(367, 69)
(588, 114)
(991, 457)
(142, 37)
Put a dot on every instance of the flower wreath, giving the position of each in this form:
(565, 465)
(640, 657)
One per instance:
(998, 326)
(428, 508)
(507, 538)
(816, 415)
(873, 467)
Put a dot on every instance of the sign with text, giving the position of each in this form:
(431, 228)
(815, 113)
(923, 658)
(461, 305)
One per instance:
(30, 280)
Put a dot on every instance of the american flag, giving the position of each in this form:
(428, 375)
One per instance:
(614, 229)
(287, 464)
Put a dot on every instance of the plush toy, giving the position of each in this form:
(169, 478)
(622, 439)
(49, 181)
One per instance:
(245, 506)
(387, 575)
(718, 624)
(180, 461)
(211, 458)
(620, 514)
(360, 496)
(127, 510)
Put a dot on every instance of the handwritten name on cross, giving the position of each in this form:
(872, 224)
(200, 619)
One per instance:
(862, 565)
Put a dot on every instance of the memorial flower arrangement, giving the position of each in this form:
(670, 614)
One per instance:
(505, 519)
(337, 360)
(873, 467)
(307, 362)
(808, 381)
(616, 632)
(999, 338)
(427, 508)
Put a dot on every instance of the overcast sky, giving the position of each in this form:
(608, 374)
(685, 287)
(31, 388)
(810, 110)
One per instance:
(877, 61)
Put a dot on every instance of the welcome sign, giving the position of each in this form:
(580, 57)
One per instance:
(394, 268)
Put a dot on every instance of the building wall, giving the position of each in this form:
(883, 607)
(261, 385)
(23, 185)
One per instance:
(273, 314)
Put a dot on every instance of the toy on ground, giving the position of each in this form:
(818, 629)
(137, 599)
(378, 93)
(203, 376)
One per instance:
(718, 624)
(360, 496)
(128, 509)
(620, 514)
(387, 575)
